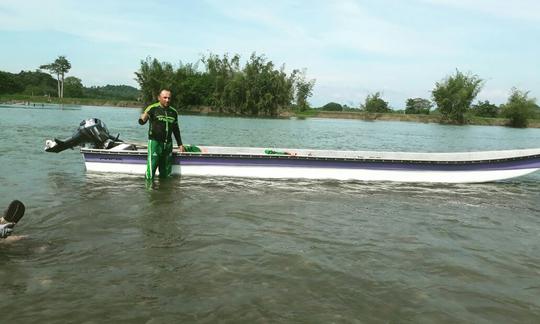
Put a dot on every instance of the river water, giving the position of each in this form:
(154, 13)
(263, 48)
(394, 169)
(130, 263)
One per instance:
(99, 247)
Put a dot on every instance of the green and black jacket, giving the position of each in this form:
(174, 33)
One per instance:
(163, 123)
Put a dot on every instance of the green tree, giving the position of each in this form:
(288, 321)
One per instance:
(73, 87)
(257, 88)
(192, 86)
(27, 82)
(375, 104)
(485, 109)
(418, 106)
(221, 71)
(519, 108)
(332, 106)
(54, 69)
(454, 95)
(9, 83)
(154, 76)
(536, 112)
(59, 67)
(303, 89)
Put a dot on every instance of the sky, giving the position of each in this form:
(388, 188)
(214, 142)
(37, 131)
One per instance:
(351, 48)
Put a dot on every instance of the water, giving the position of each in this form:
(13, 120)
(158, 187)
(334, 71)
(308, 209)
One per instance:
(101, 247)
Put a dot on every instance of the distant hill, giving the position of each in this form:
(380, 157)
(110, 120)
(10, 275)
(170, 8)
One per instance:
(27, 82)
(37, 83)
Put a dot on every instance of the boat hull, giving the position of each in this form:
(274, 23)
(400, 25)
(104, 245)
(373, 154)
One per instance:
(316, 164)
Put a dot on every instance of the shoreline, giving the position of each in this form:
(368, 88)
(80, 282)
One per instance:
(208, 111)
(435, 119)
(22, 100)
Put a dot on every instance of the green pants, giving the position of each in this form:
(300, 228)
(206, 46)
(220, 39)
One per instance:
(159, 155)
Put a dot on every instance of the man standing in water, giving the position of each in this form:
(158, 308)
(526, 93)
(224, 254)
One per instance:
(163, 123)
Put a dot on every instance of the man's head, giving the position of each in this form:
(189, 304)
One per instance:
(164, 98)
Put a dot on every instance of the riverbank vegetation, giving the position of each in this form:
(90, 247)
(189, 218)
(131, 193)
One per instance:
(40, 87)
(29, 99)
(433, 117)
(453, 102)
(223, 85)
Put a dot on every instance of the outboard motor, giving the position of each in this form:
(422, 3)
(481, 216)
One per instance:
(92, 132)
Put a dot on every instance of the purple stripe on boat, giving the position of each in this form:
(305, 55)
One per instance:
(305, 162)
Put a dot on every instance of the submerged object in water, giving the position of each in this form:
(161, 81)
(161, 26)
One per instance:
(14, 212)
(12, 216)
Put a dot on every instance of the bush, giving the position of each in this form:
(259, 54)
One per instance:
(332, 106)
(519, 108)
(374, 103)
(485, 109)
(418, 106)
(455, 94)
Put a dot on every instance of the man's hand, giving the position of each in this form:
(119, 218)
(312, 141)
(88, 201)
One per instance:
(181, 148)
(144, 117)
(6, 229)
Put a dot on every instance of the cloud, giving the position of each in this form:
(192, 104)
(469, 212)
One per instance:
(517, 9)
(351, 48)
(101, 22)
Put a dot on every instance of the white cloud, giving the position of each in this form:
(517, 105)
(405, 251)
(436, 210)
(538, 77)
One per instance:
(516, 9)
(351, 48)
(105, 24)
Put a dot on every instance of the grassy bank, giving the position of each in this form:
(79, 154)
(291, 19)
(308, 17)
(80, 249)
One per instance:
(473, 120)
(312, 113)
(14, 99)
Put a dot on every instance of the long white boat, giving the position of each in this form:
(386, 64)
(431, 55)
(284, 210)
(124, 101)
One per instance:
(107, 154)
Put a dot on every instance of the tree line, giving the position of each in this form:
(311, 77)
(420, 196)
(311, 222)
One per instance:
(259, 88)
(453, 98)
(255, 88)
(40, 84)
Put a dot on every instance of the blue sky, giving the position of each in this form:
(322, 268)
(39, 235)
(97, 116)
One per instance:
(352, 48)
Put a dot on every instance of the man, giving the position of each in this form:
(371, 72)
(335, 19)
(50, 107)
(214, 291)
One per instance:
(163, 123)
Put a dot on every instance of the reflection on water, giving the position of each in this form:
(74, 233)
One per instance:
(253, 250)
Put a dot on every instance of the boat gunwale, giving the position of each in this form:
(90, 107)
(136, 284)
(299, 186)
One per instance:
(315, 158)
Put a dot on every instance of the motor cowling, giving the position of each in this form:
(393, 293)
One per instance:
(91, 133)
